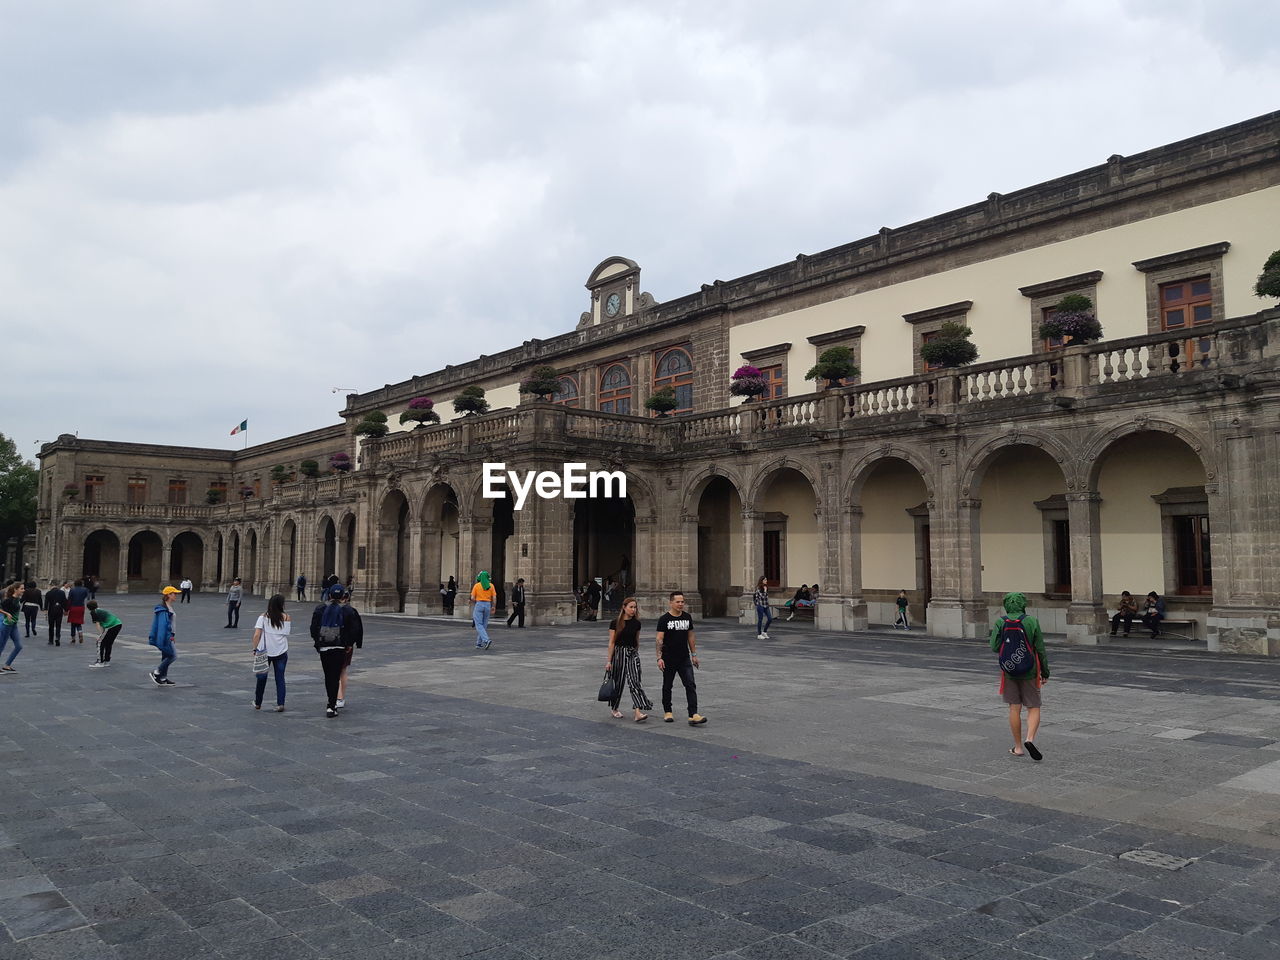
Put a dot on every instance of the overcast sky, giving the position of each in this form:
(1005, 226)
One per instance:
(212, 211)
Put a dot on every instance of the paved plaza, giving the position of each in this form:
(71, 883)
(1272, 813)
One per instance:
(850, 797)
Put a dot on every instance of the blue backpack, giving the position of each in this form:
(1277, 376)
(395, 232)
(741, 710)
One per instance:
(1016, 657)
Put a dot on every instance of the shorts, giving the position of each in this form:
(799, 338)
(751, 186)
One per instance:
(1021, 690)
(346, 661)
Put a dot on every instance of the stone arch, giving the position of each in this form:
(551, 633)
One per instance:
(719, 554)
(1090, 462)
(440, 541)
(392, 540)
(347, 545)
(289, 551)
(699, 481)
(764, 477)
(865, 465)
(326, 558)
(145, 550)
(101, 557)
(186, 557)
(982, 456)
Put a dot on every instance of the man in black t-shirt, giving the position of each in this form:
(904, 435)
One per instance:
(678, 654)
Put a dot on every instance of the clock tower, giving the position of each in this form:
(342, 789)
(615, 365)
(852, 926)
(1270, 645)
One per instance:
(615, 292)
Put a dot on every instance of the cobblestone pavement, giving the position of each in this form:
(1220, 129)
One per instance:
(849, 797)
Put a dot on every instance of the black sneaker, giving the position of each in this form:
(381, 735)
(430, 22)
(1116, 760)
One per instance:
(165, 681)
(330, 713)
(155, 678)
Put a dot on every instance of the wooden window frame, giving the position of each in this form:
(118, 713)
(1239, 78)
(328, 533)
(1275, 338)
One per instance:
(776, 375)
(560, 399)
(133, 484)
(1177, 503)
(1182, 266)
(1198, 579)
(683, 378)
(615, 395)
(178, 491)
(93, 482)
(925, 325)
(1043, 297)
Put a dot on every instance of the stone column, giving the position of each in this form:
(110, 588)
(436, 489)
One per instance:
(685, 563)
(645, 565)
(752, 562)
(854, 615)
(383, 597)
(475, 541)
(414, 592)
(1087, 614)
(122, 577)
(545, 527)
(1244, 536)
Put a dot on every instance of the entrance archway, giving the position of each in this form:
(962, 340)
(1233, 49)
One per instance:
(894, 543)
(102, 559)
(393, 550)
(720, 548)
(788, 509)
(145, 552)
(186, 558)
(604, 535)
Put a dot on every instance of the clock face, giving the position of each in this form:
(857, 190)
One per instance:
(613, 305)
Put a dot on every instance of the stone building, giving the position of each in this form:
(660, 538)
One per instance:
(1070, 471)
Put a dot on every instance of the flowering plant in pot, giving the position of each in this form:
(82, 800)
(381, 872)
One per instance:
(951, 347)
(71, 491)
(420, 410)
(341, 462)
(542, 383)
(470, 401)
(373, 424)
(748, 381)
(1072, 317)
(662, 401)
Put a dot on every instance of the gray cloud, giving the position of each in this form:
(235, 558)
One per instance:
(217, 211)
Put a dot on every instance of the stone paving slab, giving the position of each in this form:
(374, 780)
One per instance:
(483, 805)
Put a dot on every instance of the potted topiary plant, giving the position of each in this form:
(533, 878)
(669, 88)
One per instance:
(71, 491)
(834, 365)
(951, 347)
(279, 474)
(749, 382)
(470, 401)
(663, 401)
(309, 469)
(214, 495)
(420, 410)
(1268, 284)
(542, 383)
(341, 462)
(1072, 317)
(373, 425)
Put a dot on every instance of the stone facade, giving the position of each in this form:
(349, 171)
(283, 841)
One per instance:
(1051, 471)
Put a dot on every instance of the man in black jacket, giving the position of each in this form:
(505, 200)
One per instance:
(332, 637)
(55, 605)
(354, 637)
(517, 603)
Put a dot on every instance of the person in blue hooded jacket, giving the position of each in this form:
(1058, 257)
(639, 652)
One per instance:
(161, 636)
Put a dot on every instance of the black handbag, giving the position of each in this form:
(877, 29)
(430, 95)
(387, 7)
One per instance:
(608, 689)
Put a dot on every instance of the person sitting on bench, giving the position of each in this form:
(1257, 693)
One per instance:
(803, 598)
(1126, 610)
(1153, 613)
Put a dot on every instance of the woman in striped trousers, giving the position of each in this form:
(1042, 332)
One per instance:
(623, 660)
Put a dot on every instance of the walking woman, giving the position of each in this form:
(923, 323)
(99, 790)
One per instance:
(763, 615)
(483, 594)
(10, 611)
(77, 597)
(161, 636)
(271, 635)
(623, 660)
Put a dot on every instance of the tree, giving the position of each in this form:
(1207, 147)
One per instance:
(19, 484)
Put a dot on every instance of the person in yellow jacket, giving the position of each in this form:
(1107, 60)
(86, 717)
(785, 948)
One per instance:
(483, 595)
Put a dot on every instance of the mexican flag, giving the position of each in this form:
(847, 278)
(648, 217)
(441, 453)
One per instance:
(244, 425)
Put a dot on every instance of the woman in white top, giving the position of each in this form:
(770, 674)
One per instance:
(271, 633)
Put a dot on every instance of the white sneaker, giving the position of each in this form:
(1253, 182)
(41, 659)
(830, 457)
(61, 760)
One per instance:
(765, 635)
(791, 617)
(97, 663)
(339, 704)
(759, 636)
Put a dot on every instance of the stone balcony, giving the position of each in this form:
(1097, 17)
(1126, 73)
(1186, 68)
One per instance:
(1207, 360)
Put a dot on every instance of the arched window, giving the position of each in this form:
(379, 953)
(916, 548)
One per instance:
(567, 395)
(615, 389)
(674, 368)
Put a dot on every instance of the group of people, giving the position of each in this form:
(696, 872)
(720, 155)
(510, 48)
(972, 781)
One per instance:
(1127, 609)
(23, 602)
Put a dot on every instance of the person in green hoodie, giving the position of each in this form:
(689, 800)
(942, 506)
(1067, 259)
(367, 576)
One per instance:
(1019, 692)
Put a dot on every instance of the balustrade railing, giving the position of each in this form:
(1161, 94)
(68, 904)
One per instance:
(705, 426)
(592, 425)
(1019, 377)
(877, 399)
(1140, 358)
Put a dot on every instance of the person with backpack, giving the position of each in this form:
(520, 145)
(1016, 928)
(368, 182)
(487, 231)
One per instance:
(1018, 643)
(329, 631)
